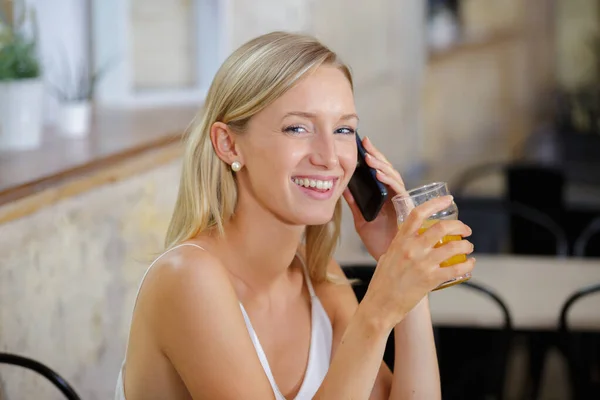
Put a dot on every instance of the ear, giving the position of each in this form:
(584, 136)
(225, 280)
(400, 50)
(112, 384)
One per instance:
(224, 142)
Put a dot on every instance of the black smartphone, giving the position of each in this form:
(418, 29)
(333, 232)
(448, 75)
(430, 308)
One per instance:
(369, 194)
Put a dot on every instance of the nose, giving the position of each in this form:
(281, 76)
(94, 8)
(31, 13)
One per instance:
(324, 152)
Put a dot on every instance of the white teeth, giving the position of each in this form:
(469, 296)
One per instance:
(313, 183)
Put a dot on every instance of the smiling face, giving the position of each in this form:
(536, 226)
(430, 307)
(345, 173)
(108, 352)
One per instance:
(299, 153)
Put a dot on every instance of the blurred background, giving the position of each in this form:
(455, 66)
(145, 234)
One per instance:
(501, 99)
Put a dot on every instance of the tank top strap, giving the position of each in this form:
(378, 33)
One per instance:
(158, 258)
(309, 284)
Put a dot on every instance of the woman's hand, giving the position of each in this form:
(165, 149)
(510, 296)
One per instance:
(410, 268)
(379, 233)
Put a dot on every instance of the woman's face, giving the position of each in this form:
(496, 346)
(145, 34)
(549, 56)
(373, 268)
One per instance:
(299, 153)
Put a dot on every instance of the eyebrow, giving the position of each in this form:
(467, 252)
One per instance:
(304, 114)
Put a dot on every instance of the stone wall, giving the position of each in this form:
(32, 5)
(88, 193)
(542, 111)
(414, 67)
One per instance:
(68, 278)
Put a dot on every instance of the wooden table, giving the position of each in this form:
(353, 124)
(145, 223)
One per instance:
(533, 287)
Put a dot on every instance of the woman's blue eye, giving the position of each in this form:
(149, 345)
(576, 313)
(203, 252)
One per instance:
(346, 131)
(294, 129)
(297, 129)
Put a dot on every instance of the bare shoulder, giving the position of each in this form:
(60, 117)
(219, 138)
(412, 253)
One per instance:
(194, 316)
(181, 275)
(186, 261)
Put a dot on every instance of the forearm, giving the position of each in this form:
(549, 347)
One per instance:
(357, 360)
(416, 371)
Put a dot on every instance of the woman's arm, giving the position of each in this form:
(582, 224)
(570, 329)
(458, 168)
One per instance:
(416, 371)
(194, 314)
(360, 360)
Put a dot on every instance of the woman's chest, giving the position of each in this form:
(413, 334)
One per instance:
(285, 338)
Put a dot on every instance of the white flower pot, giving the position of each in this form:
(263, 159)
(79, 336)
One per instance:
(21, 114)
(74, 118)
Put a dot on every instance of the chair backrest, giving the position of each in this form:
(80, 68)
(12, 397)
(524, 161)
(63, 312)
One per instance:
(58, 381)
(582, 349)
(474, 361)
(534, 185)
(541, 188)
(495, 298)
(363, 273)
(571, 301)
(582, 241)
(490, 221)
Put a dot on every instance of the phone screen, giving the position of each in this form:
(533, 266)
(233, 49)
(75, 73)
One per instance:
(368, 192)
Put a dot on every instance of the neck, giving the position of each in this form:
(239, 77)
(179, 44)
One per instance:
(262, 246)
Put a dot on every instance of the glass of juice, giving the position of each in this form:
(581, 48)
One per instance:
(405, 202)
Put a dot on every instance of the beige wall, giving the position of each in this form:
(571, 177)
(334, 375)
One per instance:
(482, 99)
(163, 47)
(69, 273)
(381, 40)
(578, 42)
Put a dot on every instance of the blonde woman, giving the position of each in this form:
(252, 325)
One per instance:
(247, 302)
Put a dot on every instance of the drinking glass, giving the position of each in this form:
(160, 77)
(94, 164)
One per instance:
(404, 203)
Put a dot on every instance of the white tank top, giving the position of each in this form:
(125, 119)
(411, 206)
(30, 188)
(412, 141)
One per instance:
(319, 356)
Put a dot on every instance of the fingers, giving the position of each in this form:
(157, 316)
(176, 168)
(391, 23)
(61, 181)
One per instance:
(437, 231)
(386, 174)
(371, 149)
(455, 271)
(448, 250)
(419, 214)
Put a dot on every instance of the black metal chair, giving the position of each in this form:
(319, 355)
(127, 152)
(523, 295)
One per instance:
(581, 243)
(477, 215)
(483, 372)
(581, 349)
(58, 381)
(490, 221)
(474, 361)
(535, 186)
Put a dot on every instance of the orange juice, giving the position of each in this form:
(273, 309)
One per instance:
(455, 259)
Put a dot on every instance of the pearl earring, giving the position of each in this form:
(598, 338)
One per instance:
(236, 166)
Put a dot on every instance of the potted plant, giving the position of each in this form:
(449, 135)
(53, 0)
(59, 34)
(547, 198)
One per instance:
(21, 85)
(73, 87)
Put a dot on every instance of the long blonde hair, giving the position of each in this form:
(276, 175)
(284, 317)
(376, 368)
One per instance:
(251, 78)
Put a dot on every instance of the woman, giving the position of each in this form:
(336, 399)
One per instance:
(247, 302)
